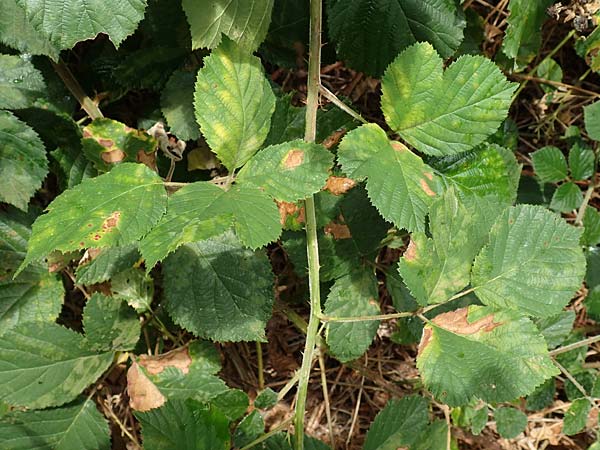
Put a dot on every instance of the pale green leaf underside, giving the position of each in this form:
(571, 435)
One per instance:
(444, 112)
(244, 21)
(44, 364)
(533, 262)
(290, 171)
(23, 162)
(202, 210)
(76, 426)
(399, 184)
(352, 295)
(114, 209)
(368, 33)
(233, 102)
(549, 164)
(177, 104)
(20, 82)
(493, 356)
(233, 298)
(110, 324)
(66, 22)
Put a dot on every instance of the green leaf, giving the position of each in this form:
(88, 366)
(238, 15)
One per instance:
(581, 161)
(232, 301)
(555, 329)
(368, 34)
(23, 162)
(110, 324)
(135, 287)
(398, 182)
(114, 209)
(250, 428)
(20, 82)
(576, 416)
(202, 210)
(287, 123)
(549, 164)
(478, 352)
(43, 364)
(550, 70)
(75, 426)
(542, 396)
(177, 105)
(184, 425)
(233, 403)
(244, 21)
(107, 143)
(585, 379)
(510, 422)
(266, 399)
(436, 268)
(444, 113)
(234, 103)
(591, 223)
(398, 424)
(351, 296)
(479, 420)
(66, 22)
(291, 171)
(524, 31)
(434, 436)
(533, 262)
(566, 198)
(73, 164)
(591, 115)
(107, 264)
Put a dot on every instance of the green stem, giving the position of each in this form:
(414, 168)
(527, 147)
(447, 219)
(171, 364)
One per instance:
(266, 436)
(87, 104)
(574, 345)
(340, 104)
(312, 246)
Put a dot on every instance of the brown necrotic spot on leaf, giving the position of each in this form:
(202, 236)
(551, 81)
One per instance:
(411, 252)
(179, 358)
(147, 159)
(287, 209)
(106, 143)
(111, 221)
(399, 146)
(339, 185)
(333, 139)
(457, 322)
(426, 187)
(337, 230)
(293, 158)
(113, 156)
(143, 393)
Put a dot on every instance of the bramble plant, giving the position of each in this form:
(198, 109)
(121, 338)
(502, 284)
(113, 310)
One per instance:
(115, 257)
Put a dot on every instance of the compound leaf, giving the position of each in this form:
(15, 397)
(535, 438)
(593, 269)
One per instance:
(244, 21)
(400, 185)
(352, 295)
(234, 103)
(110, 324)
(23, 162)
(66, 22)
(113, 209)
(43, 364)
(177, 104)
(533, 262)
(369, 34)
(477, 352)
(444, 112)
(291, 171)
(233, 299)
(510, 422)
(549, 164)
(20, 82)
(78, 425)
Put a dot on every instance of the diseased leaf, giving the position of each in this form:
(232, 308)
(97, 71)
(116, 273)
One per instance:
(399, 184)
(576, 416)
(444, 112)
(518, 269)
(581, 161)
(23, 162)
(234, 103)
(291, 171)
(398, 424)
(177, 104)
(20, 82)
(351, 296)
(510, 422)
(478, 352)
(566, 198)
(114, 209)
(549, 164)
(110, 324)
(107, 263)
(244, 21)
(43, 364)
(368, 34)
(66, 22)
(232, 301)
(78, 425)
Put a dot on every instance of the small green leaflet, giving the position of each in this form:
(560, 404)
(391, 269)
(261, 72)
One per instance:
(368, 34)
(20, 82)
(113, 209)
(44, 364)
(234, 103)
(244, 21)
(398, 424)
(23, 162)
(233, 299)
(576, 416)
(518, 269)
(509, 422)
(66, 22)
(566, 198)
(591, 116)
(352, 295)
(290, 171)
(444, 112)
(581, 161)
(250, 428)
(78, 425)
(177, 105)
(134, 286)
(591, 223)
(549, 164)
(202, 210)
(555, 329)
(477, 352)
(400, 185)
